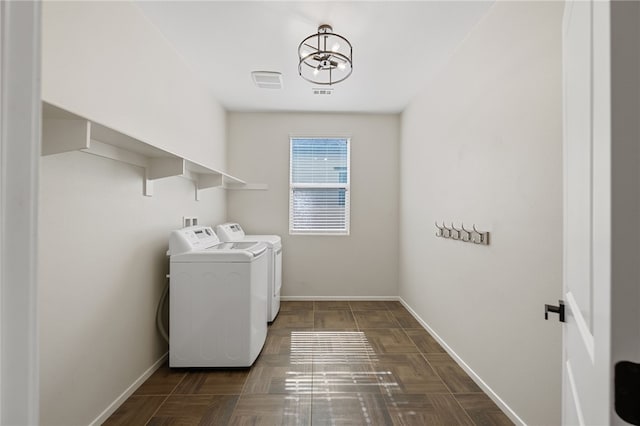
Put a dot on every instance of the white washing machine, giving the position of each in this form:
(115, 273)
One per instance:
(217, 300)
(234, 232)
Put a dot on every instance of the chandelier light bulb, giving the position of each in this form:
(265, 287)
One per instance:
(336, 47)
(316, 71)
(342, 66)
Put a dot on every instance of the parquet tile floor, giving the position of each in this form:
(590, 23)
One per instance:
(323, 363)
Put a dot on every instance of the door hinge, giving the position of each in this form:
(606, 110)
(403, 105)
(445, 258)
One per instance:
(555, 309)
(627, 391)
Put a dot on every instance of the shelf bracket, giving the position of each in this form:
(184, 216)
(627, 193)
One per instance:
(147, 184)
(205, 181)
(160, 167)
(64, 135)
(208, 180)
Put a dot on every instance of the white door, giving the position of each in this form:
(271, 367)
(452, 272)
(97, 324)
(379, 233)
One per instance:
(587, 219)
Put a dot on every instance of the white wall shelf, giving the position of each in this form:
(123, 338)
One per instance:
(63, 131)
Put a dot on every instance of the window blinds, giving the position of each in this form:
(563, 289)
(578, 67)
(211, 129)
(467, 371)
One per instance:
(319, 186)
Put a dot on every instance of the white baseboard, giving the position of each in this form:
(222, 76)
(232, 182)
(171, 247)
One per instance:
(128, 392)
(328, 298)
(475, 377)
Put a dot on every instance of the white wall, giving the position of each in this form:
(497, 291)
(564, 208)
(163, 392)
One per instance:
(102, 271)
(363, 264)
(482, 144)
(102, 243)
(106, 62)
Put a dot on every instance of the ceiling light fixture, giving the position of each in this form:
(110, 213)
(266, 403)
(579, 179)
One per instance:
(325, 57)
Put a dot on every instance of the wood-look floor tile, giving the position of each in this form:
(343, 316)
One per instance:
(136, 410)
(335, 379)
(349, 409)
(375, 319)
(277, 374)
(330, 305)
(278, 342)
(368, 305)
(394, 305)
(482, 409)
(405, 319)
(424, 341)
(408, 374)
(293, 319)
(336, 319)
(389, 340)
(431, 409)
(270, 410)
(452, 374)
(195, 410)
(162, 382)
(218, 382)
(296, 305)
(347, 363)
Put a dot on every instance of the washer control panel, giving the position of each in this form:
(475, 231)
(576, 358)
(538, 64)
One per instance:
(191, 239)
(229, 232)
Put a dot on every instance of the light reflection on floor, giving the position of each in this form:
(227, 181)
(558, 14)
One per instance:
(342, 373)
(330, 347)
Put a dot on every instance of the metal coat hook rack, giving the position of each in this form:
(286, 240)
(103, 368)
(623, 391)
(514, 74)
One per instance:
(462, 234)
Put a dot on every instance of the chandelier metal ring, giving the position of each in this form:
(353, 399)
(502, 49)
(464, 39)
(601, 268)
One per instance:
(327, 57)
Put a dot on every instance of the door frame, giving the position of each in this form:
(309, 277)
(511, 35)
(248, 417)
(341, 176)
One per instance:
(625, 187)
(20, 121)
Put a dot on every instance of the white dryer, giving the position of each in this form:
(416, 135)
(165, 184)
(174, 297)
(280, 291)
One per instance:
(217, 300)
(234, 232)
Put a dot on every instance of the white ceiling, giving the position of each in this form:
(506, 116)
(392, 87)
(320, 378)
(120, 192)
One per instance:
(397, 47)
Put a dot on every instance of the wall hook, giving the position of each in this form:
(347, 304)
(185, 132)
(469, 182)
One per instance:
(480, 237)
(472, 235)
(475, 235)
(465, 234)
(455, 233)
(446, 232)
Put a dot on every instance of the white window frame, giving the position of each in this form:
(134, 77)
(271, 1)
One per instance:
(346, 186)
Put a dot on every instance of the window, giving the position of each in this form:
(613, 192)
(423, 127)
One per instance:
(319, 178)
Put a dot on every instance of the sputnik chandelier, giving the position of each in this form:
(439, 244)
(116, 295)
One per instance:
(325, 57)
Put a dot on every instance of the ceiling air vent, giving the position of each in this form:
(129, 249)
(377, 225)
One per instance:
(322, 91)
(267, 79)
